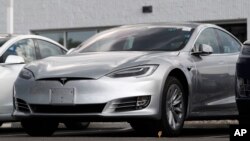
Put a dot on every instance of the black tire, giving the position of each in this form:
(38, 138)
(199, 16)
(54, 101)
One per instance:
(153, 127)
(1, 124)
(76, 125)
(39, 127)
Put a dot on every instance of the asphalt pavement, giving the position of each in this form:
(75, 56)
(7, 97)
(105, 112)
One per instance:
(205, 131)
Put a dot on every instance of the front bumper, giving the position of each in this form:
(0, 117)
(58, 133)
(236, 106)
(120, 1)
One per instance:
(88, 96)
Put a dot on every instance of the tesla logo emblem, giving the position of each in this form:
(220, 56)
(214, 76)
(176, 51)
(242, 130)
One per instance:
(63, 80)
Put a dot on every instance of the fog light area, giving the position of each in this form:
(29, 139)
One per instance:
(130, 104)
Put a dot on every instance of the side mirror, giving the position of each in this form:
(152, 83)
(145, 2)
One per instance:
(202, 49)
(13, 59)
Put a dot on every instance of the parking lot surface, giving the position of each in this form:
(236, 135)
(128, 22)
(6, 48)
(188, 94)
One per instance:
(194, 131)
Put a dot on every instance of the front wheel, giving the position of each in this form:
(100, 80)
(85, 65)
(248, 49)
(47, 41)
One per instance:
(39, 127)
(173, 107)
(173, 110)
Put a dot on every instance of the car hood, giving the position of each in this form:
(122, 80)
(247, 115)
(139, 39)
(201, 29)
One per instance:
(89, 65)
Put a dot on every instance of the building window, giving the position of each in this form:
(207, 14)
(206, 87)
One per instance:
(74, 38)
(56, 36)
(70, 38)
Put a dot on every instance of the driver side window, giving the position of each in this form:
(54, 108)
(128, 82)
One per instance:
(208, 37)
(24, 48)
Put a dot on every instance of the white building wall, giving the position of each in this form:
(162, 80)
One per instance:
(3, 16)
(56, 14)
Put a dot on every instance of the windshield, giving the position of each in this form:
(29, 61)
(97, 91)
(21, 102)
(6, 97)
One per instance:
(138, 39)
(3, 40)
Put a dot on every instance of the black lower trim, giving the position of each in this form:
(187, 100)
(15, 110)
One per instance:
(82, 117)
(86, 108)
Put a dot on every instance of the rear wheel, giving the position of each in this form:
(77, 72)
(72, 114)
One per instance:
(173, 112)
(39, 127)
(76, 125)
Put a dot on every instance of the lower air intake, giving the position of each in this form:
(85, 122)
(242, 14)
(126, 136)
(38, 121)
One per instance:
(22, 106)
(63, 109)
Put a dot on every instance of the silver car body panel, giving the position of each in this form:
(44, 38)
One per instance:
(102, 63)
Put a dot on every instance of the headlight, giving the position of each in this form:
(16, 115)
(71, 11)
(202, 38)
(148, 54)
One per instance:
(26, 74)
(139, 71)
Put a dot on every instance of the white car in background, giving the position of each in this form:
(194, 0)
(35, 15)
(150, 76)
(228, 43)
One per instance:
(15, 52)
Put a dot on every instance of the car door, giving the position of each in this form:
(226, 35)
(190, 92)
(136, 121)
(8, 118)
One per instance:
(211, 76)
(230, 48)
(9, 72)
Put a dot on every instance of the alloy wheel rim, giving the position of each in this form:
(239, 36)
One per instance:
(174, 105)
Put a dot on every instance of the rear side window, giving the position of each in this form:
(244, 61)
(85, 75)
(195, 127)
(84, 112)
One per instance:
(228, 43)
(49, 49)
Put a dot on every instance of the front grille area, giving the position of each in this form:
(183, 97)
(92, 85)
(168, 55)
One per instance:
(64, 109)
(244, 85)
(22, 106)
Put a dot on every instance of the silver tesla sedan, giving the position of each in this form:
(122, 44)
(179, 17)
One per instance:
(155, 76)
